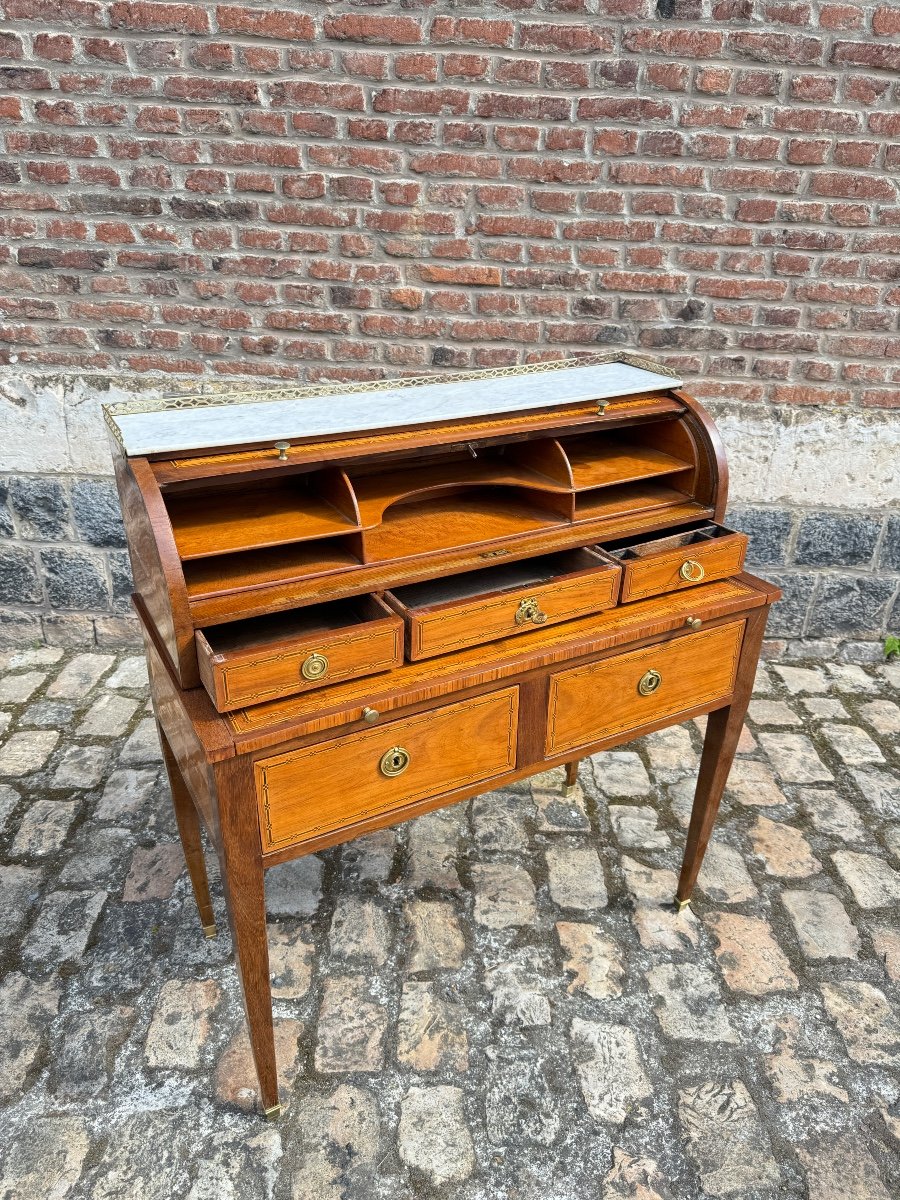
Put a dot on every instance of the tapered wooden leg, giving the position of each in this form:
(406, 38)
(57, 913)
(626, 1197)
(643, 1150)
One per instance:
(242, 876)
(188, 822)
(572, 773)
(723, 730)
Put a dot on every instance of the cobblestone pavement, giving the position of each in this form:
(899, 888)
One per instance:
(491, 1001)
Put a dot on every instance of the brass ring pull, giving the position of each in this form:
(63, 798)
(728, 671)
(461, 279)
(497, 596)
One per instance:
(648, 683)
(394, 761)
(314, 667)
(530, 610)
(691, 570)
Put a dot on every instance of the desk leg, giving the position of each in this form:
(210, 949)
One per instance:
(188, 822)
(242, 878)
(723, 730)
(572, 773)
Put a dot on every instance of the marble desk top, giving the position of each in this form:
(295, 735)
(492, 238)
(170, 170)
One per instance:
(262, 420)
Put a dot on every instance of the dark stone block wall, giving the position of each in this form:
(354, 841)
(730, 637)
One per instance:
(65, 575)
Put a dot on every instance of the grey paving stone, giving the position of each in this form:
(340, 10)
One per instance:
(873, 883)
(594, 961)
(621, 773)
(143, 745)
(63, 926)
(433, 846)
(434, 1137)
(291, 960)
(78, 676)
(82, 1062)
(26, 1009)
(865, 1021)
(359, 930)
(802, 679)
(635, 827)
(294, 889)
(130, 673)
(504, 895)
(108, 716)
(498, 821)
(126, 794)
(576, 877)
(726, 1138)
(753, 783)
(783, 849)
(688, 1003)
(431, 1034)
(23, 753)
(724, 877)
(823, 928)
(671, 752)
(560, 810)
(47, 714)
(19, 890)
(49, 1161)
(880, 790)
(43, 828)
(181, 1024)
(773, 712)
(882, 715)
(435, 935)
(831, 814)
(610, 1069)
(369, 859)
(853, 744)
(16, 689)
(824, 708)
(794, 757)
(81, 767)
(840, 1167)
(351, 1027)
(634, 1178)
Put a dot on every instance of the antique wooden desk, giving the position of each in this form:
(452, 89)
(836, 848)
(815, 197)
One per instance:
(361, 606)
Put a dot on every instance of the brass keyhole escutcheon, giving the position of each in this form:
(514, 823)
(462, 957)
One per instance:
(649, 682)
(314, 667)
(394, 761)
(691, 570)
(530, 610)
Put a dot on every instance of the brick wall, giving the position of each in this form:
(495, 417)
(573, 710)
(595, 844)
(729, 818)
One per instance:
(292, 192)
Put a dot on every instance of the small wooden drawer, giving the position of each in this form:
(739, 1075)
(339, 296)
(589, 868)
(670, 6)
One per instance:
(465, 610)
(700, 554)
(264, 658)
(628, 691)
(336, 784)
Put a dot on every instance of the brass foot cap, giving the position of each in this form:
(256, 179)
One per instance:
(209, 931)
(681, 905)
(273, 1113)
(571, 789)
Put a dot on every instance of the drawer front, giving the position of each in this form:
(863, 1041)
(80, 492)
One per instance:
(324, 787)
(245, 677)
(604, 699)
(485, 618)
(671, 570)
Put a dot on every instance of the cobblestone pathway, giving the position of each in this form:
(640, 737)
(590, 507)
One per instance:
(494, 1001)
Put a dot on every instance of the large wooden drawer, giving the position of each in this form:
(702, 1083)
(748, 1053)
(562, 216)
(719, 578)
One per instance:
(248, 662)
(608, 698)
(320, 788)
(671, 561)
(466, 610)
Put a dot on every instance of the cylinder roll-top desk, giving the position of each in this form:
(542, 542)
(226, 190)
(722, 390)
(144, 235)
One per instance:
(360, 603)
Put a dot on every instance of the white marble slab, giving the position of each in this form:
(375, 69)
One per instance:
(170, 431)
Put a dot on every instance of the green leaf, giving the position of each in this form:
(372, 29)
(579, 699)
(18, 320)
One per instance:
(891, 647)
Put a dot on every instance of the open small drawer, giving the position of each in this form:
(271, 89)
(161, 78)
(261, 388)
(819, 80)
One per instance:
(247, 662)
(697, 554)
(480, 606)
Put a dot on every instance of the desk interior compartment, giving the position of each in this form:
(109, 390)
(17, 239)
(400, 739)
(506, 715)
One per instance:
(671, 561)
(264, 658)
(458, 611)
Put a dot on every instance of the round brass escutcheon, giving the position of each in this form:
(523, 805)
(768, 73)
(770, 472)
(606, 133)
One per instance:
(314, 667)
(692, 571)
(394, 761)
(649, 682)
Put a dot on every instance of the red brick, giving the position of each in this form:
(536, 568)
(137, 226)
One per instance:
(416, 66)
(212, 56)
(676, 43)
(10, 45)
(867, 54)
(472, 31)
(306, 93)
(187, 87)
(886, 21)
(471, 276)
(264, 22)
(429, 101)
(149, 17)
(852, 186)
(370, 27)
(844, 16)
(477, 166)
(571, 39)
(814, 87)
(56, 46)
(55, 12)
(517, 70)
(25, 79)
(465, 66)
(776, 47)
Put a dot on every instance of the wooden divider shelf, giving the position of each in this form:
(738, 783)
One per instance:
(358, 608)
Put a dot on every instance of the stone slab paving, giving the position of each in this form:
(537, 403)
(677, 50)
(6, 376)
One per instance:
(494, 1002)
